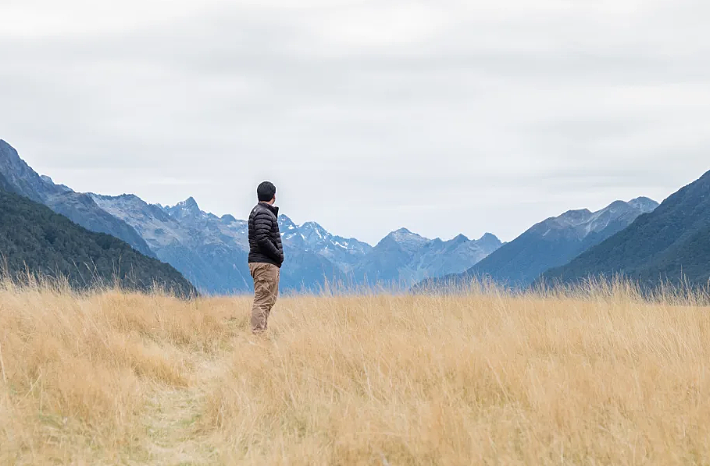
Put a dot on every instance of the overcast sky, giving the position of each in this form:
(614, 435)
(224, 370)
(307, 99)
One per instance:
(442, 116)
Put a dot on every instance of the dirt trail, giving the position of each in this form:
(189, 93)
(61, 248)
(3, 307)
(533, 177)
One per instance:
(171, 420)
(172, 415)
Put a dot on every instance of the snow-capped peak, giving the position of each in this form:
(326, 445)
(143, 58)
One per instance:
(317, 232)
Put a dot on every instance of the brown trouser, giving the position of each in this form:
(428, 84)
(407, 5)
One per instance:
(266, 290)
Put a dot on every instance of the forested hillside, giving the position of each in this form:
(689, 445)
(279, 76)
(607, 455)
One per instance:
(671, 244)
(34, 239)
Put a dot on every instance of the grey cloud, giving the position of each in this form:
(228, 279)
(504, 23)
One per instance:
(369, 115)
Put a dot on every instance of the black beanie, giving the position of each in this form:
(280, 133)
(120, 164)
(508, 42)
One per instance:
(266, 191)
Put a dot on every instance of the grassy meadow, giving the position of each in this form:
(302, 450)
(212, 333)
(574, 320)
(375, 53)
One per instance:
(594, 377)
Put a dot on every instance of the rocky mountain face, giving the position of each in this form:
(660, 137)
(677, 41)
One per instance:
(212, 251)
(344, 252)
(203, 247)
(79, 208)
(670, 244)
(5, 185)
(551, 243)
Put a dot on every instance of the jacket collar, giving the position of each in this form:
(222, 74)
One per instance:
(273, 209)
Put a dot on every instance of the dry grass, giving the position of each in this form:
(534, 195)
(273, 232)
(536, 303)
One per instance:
(485, 378)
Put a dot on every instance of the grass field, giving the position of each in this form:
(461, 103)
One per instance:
(486, 378)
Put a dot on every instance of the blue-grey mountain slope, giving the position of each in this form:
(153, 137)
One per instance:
(551, 243)
(344, 252)
(208, 250)
(671, 244)
(212, 251)
(403, 258)
(79, 208)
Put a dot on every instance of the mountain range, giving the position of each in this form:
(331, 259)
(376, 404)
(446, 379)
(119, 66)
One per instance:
(211, 251)
(670, 244)
(404, 258)
(548, 244)
(637, 239)
(36, 241)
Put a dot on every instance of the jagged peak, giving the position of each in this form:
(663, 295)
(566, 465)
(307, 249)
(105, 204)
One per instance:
(286, 220)
(615, 208)
(645, 204)
(460, 238)
(314, 226)
(642, 199)
(130, 196)
(490, 238)
(315, 229)
(10, 154)
(123, 197)
(189, 203)
(185, 209)
(575, 213)
(404, 234)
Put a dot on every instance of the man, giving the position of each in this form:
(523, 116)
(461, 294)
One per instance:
(265, 255)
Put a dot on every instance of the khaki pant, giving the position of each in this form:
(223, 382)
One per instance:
(266, 290)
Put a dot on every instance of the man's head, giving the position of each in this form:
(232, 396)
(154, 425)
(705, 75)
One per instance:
(266, 192)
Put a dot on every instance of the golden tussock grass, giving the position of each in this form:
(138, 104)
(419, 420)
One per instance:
(600, 377)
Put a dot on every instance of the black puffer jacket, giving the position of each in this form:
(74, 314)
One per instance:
(264, 236)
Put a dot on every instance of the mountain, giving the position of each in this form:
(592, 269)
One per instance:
(34, 239)
(211, 251)
(344, 252)
(404, 258)
(79, 208)
(670, 244)
(5, 185)
(551, 243)
(315, 257)
(457, 255)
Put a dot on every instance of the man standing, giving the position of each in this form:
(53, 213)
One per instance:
(265, 255)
